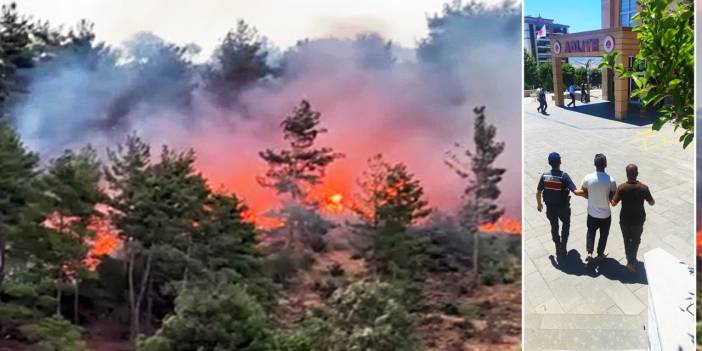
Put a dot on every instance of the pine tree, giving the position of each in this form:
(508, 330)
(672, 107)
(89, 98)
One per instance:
(157, 206)
(73, 189)
(531, 73)
(480, 195)
(389, 196)
(18, 171)
(240, 60)
(22, 42)
(391, 200)
(371, 185)
(295, 171)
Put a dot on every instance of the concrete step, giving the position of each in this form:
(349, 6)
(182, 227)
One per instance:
(584, 332)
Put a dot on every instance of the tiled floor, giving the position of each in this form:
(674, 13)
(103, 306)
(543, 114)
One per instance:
(567, 305)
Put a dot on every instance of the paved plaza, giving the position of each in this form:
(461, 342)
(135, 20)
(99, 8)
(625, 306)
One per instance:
(568, 306)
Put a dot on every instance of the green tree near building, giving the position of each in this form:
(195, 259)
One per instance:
(580, 75)
(545, 73)
(595, 77)
(568, 74)
(531, 72)
(665, 32)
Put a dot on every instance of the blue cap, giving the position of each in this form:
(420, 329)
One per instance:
(554, 157)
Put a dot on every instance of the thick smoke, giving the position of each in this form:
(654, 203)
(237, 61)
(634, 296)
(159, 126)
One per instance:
(372, 99)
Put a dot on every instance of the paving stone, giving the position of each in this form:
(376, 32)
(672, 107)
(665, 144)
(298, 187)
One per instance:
(571, 306)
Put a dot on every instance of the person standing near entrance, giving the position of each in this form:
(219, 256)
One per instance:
(571, 91)
(541, 97)
(599, 188)
(583, 93)
(555, 187)
(632, 194)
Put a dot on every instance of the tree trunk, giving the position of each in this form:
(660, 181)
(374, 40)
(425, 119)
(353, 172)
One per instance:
(476, 252)
(139, 298)
(75, 302)
(132, 302)
(149, 306)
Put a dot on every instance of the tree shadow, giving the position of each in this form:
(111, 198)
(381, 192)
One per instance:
(605, 110)
(614, 270)
(573, 264)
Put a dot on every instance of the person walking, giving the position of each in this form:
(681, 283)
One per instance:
(542, 100)
(599, 188)
(555, 187)
(571, 91)
(632, 194)
(538, 99)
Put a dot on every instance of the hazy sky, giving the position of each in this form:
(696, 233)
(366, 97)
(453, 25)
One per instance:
(204, 22)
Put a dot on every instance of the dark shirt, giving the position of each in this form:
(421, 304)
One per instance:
(632, 195)
(556, 186)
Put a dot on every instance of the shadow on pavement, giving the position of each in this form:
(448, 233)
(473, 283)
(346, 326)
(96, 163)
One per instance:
(614, 270)
(605, 109)
(573, 264)
(610, 268)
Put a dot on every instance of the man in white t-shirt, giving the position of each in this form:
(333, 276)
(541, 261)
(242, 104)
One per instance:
(600, 188)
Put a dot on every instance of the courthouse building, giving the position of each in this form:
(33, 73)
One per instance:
(615, 35)
(540, 46)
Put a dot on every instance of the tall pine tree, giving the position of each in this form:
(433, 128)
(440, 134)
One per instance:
(293, 172)
(157, 206)
(240, 60)
(18, 175)
(72, 184)
(481, 194)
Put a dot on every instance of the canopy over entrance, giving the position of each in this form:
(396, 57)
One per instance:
(595, 44)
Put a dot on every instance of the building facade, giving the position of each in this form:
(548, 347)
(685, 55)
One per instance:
(540, 47)
(615, 35)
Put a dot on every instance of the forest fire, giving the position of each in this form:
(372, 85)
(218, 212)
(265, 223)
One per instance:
(504, 225)
(106, 242)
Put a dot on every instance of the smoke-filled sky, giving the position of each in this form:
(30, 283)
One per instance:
(412, 110)
(205, 21)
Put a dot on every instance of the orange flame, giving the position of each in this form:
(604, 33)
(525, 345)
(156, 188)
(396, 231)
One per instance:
(503, 225)
(699, 242)
(106, 242)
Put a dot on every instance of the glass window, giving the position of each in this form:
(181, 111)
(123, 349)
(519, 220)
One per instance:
(627, 9)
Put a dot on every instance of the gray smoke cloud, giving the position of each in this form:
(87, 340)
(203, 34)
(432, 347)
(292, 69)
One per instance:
(409, 104)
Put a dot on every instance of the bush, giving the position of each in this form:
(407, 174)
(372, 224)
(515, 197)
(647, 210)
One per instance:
(283, 265)
(223, 318)
(54, 334)
(12, 316)
(366, 315)
(290, 342)
(500, 260)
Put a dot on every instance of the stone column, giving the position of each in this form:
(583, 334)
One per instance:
(557, 80)
(621, 98)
